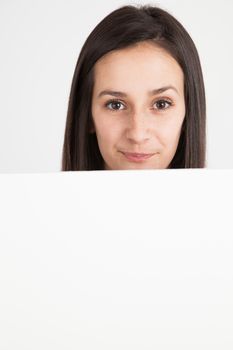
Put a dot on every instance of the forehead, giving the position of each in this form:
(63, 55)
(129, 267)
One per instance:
(143, 64)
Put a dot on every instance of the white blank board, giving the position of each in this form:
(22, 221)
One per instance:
(117, 260)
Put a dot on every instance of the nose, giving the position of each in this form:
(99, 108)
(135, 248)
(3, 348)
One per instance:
(138, 128)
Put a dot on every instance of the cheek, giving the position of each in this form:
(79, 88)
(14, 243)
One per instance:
(170, 133)
(108, 131)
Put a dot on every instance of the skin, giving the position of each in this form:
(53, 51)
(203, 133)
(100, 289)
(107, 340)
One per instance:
(138, 122)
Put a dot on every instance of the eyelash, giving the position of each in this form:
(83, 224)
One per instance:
(159, 109)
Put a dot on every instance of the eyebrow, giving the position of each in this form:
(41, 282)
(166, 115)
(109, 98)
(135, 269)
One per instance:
(151, 93)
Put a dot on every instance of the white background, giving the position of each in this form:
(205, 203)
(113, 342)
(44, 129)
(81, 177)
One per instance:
(137, 260)
(39, 45)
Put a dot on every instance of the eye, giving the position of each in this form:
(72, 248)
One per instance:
(115, 104)
(163, 104)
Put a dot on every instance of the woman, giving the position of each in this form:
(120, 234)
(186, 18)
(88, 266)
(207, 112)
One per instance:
(137, 98)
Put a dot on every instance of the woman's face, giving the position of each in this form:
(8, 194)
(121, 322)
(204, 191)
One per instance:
(138, 107)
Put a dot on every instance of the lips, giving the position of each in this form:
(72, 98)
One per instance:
(138, 154)
(137, 157)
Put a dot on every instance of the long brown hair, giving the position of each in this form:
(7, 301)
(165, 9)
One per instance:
(123, 27)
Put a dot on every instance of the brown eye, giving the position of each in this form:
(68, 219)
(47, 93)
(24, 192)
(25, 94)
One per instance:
(115, 105)
(162, 104)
